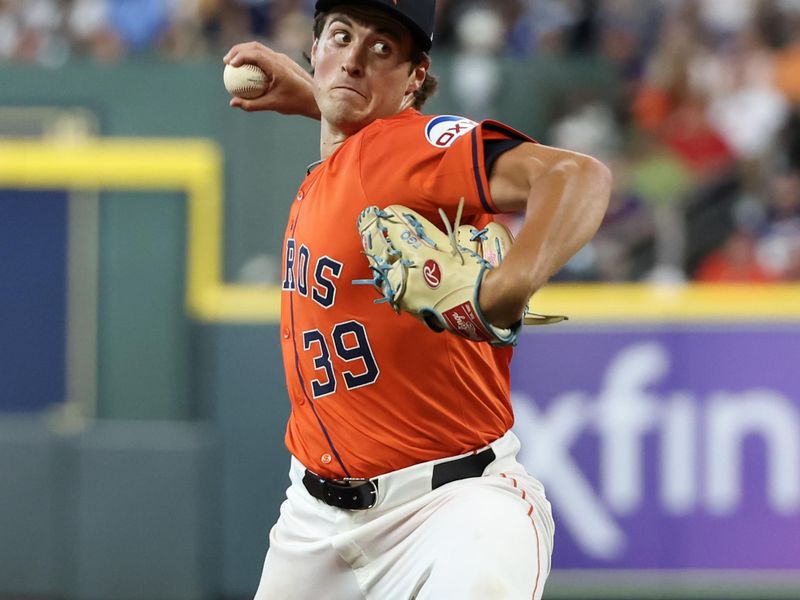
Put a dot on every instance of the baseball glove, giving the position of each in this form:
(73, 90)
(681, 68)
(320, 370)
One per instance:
(434, 275)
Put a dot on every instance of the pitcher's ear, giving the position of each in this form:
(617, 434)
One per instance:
(417, 78)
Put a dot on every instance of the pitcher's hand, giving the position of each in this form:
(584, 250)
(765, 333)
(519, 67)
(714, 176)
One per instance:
(289, 91)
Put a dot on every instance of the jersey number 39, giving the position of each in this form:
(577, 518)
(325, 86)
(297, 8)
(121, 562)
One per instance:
(350, 343)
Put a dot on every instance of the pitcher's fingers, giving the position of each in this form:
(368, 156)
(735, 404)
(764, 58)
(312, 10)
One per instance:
(239, 48)
(241, 103)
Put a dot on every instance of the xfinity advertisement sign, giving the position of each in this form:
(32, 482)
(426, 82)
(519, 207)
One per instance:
(668, 449)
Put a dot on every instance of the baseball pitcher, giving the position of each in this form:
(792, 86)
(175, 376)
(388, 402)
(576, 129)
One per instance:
(402, 301)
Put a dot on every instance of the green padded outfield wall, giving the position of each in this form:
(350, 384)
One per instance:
(144, 337)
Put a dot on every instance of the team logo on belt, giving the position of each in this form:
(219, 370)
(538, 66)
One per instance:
(443, 131)
(432, 273)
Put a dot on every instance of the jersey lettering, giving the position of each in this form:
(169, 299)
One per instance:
(296, 272)
(288, 273)
(326, 296)
(302, 270)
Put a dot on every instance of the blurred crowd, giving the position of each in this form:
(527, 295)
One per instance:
(702, 130)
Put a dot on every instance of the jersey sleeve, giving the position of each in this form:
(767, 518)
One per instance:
(432, 162)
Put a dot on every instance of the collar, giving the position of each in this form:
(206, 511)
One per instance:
(313, 166)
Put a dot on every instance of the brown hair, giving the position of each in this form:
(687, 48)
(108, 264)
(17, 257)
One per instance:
(418, 57)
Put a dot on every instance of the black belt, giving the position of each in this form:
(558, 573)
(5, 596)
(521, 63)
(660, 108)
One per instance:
(361, 494)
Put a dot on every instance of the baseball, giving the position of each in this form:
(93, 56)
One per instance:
(247, 81)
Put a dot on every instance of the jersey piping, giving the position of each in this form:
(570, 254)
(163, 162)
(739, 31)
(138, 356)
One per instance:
(299, 371)
(476, 168)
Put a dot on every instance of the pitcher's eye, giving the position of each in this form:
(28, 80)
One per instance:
(381, 48)
(341, 37)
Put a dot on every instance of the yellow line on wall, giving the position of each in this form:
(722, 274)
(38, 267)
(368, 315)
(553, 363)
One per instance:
(686, 302)
(583, 303)
(195, 167)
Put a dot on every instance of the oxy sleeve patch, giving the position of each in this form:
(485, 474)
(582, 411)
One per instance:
(444, 130)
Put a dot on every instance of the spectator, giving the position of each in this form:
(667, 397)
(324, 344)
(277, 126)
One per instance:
(139, 23)
(735, 262)
(746, 108)
(90, 32)
(659, 178)
(779, 245)
(480, 36)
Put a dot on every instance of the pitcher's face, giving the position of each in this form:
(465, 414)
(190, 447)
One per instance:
(362, 68)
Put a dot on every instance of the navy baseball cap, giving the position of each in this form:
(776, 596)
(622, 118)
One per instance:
(417, 15)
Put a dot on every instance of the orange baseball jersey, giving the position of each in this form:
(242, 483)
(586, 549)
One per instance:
(373, 391)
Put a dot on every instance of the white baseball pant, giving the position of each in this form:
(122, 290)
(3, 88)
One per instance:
(481, 538)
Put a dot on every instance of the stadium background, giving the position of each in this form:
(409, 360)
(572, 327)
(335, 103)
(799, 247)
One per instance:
(142, 402)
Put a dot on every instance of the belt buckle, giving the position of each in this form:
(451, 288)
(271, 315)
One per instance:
(359, 483)
(350, 493)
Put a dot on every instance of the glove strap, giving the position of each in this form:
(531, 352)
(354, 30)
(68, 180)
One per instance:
(500, 336)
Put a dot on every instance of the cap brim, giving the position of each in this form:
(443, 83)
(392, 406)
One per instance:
(420, 36)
